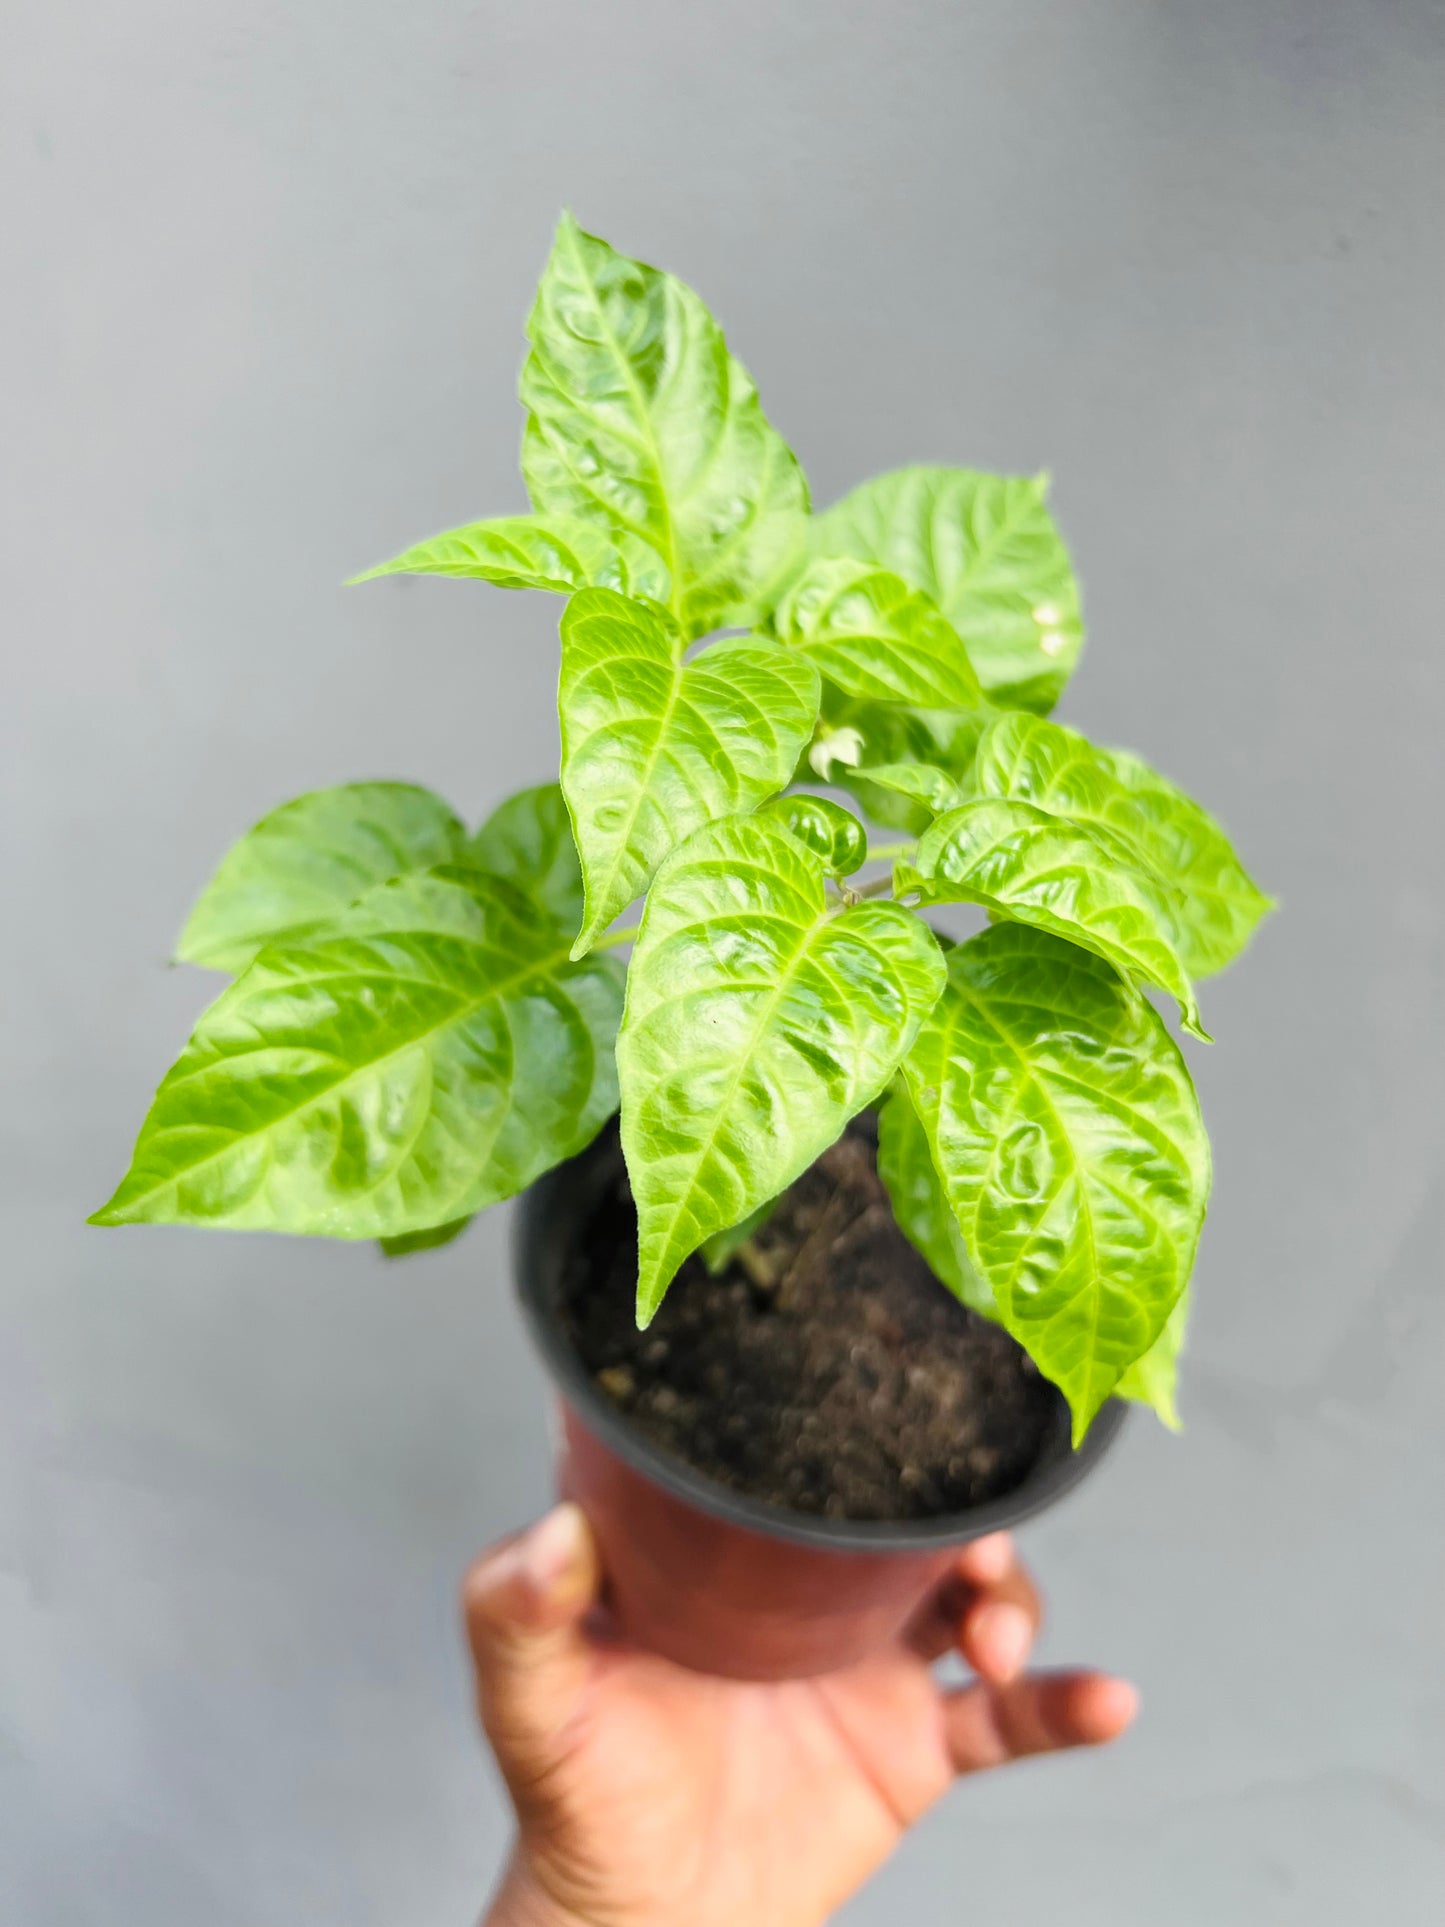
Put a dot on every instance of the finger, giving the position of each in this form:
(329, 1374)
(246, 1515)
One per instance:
(986, 1606)
(985, 1562)
(524, 1604)
(934, 1629)
(1000, 1625)
(987, 1725)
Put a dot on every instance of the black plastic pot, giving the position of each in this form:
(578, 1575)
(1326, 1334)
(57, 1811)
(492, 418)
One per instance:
(705, 1575)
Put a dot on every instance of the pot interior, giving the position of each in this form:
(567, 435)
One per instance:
(738, 1420)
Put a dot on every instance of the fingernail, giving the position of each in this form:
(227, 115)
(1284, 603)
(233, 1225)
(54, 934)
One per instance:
(1004, 1635)
(553, 1548)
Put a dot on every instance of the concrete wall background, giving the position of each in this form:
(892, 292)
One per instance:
(266, 271)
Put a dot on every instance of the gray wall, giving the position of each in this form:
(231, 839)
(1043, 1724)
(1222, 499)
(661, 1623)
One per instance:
(271, 263)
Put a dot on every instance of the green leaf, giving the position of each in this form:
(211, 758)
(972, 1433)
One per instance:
(432, 1240)
(429, 1052)
(758, 1021)
(528, 840)
(559, 552)
(1203, 896)
(1150, 1380)
(925, 1217)
(1063, 1121)
(1022, 862)
(309, 859)
(719, 1250)
(652, 747)
(985, 549)
(829, 830)
(875, 638)
(933, 789)
(641, 420)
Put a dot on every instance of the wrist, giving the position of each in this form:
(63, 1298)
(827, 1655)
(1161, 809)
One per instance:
(522, 1901)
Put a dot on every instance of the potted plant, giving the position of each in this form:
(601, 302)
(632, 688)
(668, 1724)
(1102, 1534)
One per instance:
(927, 1208)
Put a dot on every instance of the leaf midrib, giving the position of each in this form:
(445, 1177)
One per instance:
(494, 993)
(823, 920)
(1241, 895)
(1034, 876)
(1027, 1076)
(672, 556)
(226, 951)
(527, 564)
(904, 646)
(1009, 524)
(621, 845)
(689, 679)
(1127, 833)
(1032, 1078)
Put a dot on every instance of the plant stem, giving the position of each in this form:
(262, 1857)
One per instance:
(878, 851)
(879, 887)
(757, 1264)
(615, 937)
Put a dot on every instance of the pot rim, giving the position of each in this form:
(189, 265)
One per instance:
(567, 1192)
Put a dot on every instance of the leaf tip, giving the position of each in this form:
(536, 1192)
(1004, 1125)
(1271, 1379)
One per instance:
(187, 949)
(569, 228)
(1081, 1416)
(652, 1284)
(230, 959)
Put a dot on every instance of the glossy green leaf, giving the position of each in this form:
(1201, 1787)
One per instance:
(1023, 862)
(641, 420)
(985, 549)
(875, 638)
(563, 553)
(430, 1051)
(933, 789)
(1205, 899)
(528, 840)
(925, 1217)
(719, 1250)
(759, 1020)
(1151, 1380)
(652, 747)
(431, 1240)
(1066, 1130)
(308, 860)
(829, 830)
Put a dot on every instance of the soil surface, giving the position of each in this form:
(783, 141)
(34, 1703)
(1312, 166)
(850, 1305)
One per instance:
(826, 1370)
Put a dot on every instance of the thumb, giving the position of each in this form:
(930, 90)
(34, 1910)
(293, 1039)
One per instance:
(524, 1603)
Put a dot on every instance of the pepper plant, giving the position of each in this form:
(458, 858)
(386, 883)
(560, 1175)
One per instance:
(423, 1019)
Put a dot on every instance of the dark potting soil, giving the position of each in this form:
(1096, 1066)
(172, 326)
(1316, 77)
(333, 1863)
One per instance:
(827, 1370)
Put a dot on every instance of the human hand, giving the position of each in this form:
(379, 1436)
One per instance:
(650, 1796)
